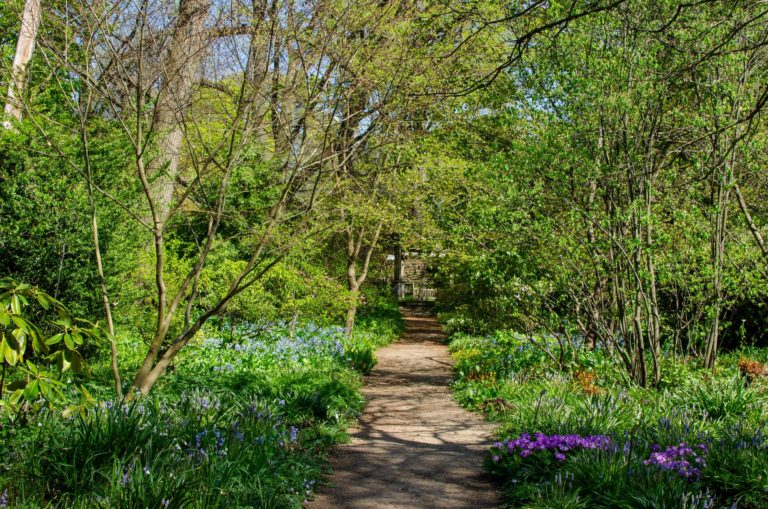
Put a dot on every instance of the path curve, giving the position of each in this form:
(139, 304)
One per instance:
(413, 447)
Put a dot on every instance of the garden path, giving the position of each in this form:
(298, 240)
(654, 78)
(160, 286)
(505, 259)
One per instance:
(414, 446)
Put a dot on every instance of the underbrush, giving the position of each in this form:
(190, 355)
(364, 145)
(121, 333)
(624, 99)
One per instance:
(244, 418)
(582, 437)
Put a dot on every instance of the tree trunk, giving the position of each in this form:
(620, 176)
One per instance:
(750, 222)
(398, 266)
(180, 73)
(654, 316)
(25, 47)
(349, 324)
(100, 267)
(354, 249)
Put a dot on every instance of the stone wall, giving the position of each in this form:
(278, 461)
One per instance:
(415, 276)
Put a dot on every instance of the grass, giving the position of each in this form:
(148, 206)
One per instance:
(245, 418)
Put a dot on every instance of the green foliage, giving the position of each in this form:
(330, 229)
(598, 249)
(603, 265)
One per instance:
(721, 398)
(243, 420)
(501, 354)
(38, 352)
(591, 175)
(44, 232)
(198, 451)
(362, 358)
(721, 417)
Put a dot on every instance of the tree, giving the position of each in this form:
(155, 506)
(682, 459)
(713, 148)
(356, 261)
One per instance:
(25, 47)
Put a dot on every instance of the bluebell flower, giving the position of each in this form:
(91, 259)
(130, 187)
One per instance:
(126, 477)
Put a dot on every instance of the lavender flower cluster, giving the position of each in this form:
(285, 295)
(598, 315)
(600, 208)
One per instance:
(303, 343)
(525, 445)
(681, 459)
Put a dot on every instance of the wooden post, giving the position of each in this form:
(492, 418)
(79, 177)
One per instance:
(398, 266)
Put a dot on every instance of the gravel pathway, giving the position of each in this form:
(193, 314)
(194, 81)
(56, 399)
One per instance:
(413, 447)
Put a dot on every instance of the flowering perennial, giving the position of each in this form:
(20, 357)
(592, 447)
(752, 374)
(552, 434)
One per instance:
(680, 459)
(525, 444)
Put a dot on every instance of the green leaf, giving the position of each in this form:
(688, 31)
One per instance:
(56, 338)
(21, 339)
(32, 368)
(85, 393)
(20, 322)
(5, 317)
(45, 389)
(49, 388)
(69, 342)
(74, 359)
(38, 345)
(62, 362)
(10, 355)
(12, 341)
(16, 396)
(31, 391)
(43, 301)
(15, 304)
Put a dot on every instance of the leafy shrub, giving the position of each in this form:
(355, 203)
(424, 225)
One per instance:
(362, 358)
(39, 341)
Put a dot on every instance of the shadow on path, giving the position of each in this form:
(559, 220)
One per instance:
(414, 447)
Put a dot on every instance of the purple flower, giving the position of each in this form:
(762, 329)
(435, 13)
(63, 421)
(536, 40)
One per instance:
(165, 502)
(125, 479)
(678, 459)
(219, 440)
(4, 499)
(294, 433)
(199, 438)
(236, 432)
(558, 444)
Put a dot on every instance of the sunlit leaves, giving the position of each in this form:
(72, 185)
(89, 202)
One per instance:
(26, 343)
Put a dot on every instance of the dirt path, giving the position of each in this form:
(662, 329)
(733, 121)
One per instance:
(414, 447)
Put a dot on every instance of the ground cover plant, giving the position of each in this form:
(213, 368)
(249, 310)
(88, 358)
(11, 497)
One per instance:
(195, 195)
(585, 437)
(245, 420)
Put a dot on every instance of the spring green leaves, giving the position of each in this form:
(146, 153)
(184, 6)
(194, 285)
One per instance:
(39, 342)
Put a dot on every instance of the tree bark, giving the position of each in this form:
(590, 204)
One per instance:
(354, 248)
(100, 267)
(25, 47)
(750, 222)
(180, 72)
